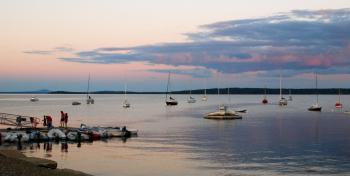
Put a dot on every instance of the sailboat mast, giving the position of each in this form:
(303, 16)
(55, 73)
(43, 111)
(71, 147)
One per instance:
(280, 85)
(88, 88)
(316, 89)
(167, 87)
(125, 91)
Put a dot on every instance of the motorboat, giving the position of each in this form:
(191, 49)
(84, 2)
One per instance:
(223, 114)
(76, 103)
(34, 99)
(283, 102)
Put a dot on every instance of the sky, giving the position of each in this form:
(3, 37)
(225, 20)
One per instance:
(56, 44)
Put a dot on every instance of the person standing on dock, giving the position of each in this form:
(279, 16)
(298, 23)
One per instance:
(49, 122)
(63, 116)
(19, 121)
(65, 119)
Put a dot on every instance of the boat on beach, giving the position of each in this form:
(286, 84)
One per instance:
(76, 103)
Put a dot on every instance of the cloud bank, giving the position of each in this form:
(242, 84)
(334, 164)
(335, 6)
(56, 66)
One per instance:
(300, 41)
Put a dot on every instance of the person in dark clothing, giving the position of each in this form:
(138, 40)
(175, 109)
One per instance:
(62, 119)
(65, 119)
(49, 122)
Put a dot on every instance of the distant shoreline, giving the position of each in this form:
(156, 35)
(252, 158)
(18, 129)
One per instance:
(328, 91)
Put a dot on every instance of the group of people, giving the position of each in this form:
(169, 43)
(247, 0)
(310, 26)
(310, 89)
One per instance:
(47, 121)
(64, 119)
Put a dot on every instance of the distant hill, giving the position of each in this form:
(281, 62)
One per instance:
(224, 91)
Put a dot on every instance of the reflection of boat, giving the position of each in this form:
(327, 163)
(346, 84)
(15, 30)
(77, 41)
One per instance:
(89, 100)
(338, 104)
(76, 103)
(169, 101)
(265, 101)
(315, 107)
(126, 104)
(282, 101)
(34, 99)
(223, 114)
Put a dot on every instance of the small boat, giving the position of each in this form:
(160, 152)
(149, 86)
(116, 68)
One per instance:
(315, 107)
(265, 101)
(205, 98)
(338, 104)
(169, 101)
(241, 110)
(191, 100)
(223, 114)
(290, 98)
(282, 101)
(346, 112)
(126, 103)
(89, 100)
(76, 103)
(34, 99)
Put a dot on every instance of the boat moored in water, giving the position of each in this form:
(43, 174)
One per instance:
(223, 114)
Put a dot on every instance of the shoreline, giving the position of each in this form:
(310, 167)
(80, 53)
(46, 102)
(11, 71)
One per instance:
(14, 163)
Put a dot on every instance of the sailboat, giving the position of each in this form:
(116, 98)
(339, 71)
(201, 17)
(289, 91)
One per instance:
(265, 101)
(191, 99)
(338, 104)
(205, 98)
(169, 101)
(290, 98)
(315, 107)
(126, 103)
(282, 101)
(89, 100)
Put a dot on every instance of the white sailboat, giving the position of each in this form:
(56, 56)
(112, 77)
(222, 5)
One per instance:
(282, 101)
(89, 100)
(315, 107)
(126, 103)
(191, 99)
(169, 101)
(290, 98)
(205, 98)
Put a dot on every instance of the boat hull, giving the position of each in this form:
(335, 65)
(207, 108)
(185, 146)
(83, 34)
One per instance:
(171, 103)
(315, 109)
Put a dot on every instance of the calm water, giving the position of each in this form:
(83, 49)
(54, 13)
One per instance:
(269, 140)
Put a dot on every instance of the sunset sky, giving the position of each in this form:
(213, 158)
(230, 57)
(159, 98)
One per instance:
(56, 44)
